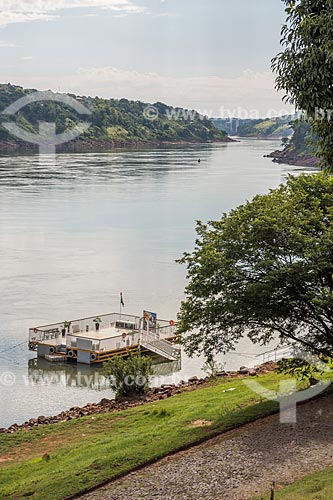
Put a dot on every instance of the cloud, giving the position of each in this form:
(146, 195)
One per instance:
(4, 44)
(20, 11)
(249, 94)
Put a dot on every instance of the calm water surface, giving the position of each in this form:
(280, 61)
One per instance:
(75, 234)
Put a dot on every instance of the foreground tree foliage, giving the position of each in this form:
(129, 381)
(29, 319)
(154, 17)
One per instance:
(305, 67)
(264, 270)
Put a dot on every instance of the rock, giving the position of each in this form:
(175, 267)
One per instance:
(105, 402)
(193, 380)
(252, 372)
(163, 391)
(168, 386)
(3, 431)
(244, 370)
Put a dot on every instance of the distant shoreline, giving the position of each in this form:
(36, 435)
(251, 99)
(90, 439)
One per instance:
(290, 158)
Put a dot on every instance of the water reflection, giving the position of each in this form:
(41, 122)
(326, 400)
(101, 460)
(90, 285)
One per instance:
(44, 373)
(129, 166)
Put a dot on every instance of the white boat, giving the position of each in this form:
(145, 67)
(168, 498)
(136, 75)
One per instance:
(99, 338)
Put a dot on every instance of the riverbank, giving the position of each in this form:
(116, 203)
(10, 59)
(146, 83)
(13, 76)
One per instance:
(54, 462)
(82, 455)
(290, 158)
(154, 394)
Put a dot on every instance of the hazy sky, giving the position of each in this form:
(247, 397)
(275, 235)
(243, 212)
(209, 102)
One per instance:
(211, 55)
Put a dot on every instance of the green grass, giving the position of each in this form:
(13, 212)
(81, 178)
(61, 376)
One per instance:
(317, 486)
(88, 451)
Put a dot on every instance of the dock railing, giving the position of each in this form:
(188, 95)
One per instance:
(44, 335)
(124, 321)
(132, 338)
(41, 333)
(167, 331)
(277, 354)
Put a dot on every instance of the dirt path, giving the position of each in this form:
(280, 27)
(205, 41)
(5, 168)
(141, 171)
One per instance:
(238, 464)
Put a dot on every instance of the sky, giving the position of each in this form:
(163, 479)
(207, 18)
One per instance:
(209, 55)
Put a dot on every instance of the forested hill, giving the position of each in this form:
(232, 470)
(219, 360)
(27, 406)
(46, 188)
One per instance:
(262, 128)
(114, 123)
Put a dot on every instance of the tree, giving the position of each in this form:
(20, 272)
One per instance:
(305, 67)
(265, 270)
(130, 376)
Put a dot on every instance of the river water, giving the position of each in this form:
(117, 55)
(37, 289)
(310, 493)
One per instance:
(76, 233)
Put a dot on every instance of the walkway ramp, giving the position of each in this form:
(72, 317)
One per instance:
(162, 348)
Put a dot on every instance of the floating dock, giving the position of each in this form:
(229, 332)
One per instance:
(99, 338)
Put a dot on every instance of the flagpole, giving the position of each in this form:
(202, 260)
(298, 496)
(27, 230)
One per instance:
(121, 302)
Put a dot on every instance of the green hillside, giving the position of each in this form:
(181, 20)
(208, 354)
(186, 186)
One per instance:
(114, 123)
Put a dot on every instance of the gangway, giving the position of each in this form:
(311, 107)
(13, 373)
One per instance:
(161, 347)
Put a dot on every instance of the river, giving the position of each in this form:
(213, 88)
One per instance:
(76, 233)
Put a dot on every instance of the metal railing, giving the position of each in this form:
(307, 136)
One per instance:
(135, 338)
(38, 333)
(167, 331)
(277, 354)
(131, 327)
(158, 345)
(43, 335)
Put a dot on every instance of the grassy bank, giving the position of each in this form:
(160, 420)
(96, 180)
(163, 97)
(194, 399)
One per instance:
(317, 486)
(85, 452)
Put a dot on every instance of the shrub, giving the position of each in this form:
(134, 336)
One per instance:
(212, 367)
(129, 375)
